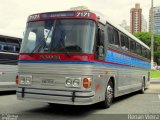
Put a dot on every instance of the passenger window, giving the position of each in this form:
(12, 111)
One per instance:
(138, 49)
(17, 49)
(122, 42)
(126, 43)
(143, 51)
(148, 54)
(116, 38)
(5, 48)
(132, 46)
(10, 48)
(110, 35)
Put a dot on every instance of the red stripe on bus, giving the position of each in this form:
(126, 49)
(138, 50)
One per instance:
(71, 57)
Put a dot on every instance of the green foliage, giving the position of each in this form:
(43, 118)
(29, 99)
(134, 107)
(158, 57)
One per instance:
(155, 74)
(146, 38)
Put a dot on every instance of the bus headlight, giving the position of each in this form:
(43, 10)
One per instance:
(76, 82)
(25, 79)
(73, 82)
(22, 80)
(69, 82)
(28, 80)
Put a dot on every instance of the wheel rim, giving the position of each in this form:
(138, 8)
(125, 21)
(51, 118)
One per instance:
(109, 94)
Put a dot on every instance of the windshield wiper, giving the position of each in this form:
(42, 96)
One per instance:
(42, 43)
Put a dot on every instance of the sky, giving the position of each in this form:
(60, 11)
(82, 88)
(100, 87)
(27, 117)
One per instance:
(14, 13)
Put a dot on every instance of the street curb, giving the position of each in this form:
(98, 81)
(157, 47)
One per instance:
(155, 78)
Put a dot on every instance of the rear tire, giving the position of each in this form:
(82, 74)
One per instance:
(109, 95)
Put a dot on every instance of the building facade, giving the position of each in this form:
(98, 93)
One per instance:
(136, 19)
(156, 20)
(144, 24)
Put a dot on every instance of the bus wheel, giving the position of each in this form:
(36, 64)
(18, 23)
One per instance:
(143, 87)
(108, 95)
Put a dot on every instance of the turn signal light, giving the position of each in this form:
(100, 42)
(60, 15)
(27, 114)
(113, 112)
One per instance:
(87, 82)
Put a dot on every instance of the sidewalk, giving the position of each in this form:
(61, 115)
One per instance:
(155, 80)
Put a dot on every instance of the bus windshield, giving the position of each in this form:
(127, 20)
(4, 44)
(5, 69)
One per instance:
(59, 36)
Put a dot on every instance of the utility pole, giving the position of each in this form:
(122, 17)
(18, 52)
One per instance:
(152, 35)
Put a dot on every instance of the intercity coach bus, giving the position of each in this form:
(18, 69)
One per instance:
(79, 58)
(9, 49)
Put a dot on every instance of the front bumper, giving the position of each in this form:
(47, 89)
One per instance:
(56, 96)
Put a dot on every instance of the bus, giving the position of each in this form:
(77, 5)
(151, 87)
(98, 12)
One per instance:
(79, 58)
(9, 49)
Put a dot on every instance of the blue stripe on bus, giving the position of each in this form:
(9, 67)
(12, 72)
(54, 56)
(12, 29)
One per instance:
(115, 57)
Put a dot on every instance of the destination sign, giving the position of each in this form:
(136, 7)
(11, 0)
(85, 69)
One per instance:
(66, 14)
(63, 14)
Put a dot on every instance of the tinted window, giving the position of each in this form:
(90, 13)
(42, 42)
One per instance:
(138, 49)
(148, 54)
(132, 46)
(145, 53)
(116, 38)
(11, 48)
(2, 39)
(122, 41)
(126, 42)
(5, 48)
(110, 35)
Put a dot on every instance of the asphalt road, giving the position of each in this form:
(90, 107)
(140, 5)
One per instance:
(123, 108)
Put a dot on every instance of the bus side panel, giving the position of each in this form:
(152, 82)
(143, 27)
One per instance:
(7, 77)
(130, 71)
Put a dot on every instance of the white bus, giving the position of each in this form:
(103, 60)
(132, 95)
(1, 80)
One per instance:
(9, 50)
(79, 58)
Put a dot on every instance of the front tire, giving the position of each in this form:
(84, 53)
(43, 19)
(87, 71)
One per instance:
(109, 95)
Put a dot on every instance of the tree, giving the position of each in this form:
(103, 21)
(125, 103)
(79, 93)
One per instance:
(146, 38)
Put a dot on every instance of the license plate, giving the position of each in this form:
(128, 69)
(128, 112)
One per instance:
(48, 82)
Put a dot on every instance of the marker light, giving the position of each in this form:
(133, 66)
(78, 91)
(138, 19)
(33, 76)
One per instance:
(17, 80)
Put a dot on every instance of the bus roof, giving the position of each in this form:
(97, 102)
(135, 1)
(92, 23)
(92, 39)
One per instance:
(12, 37)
